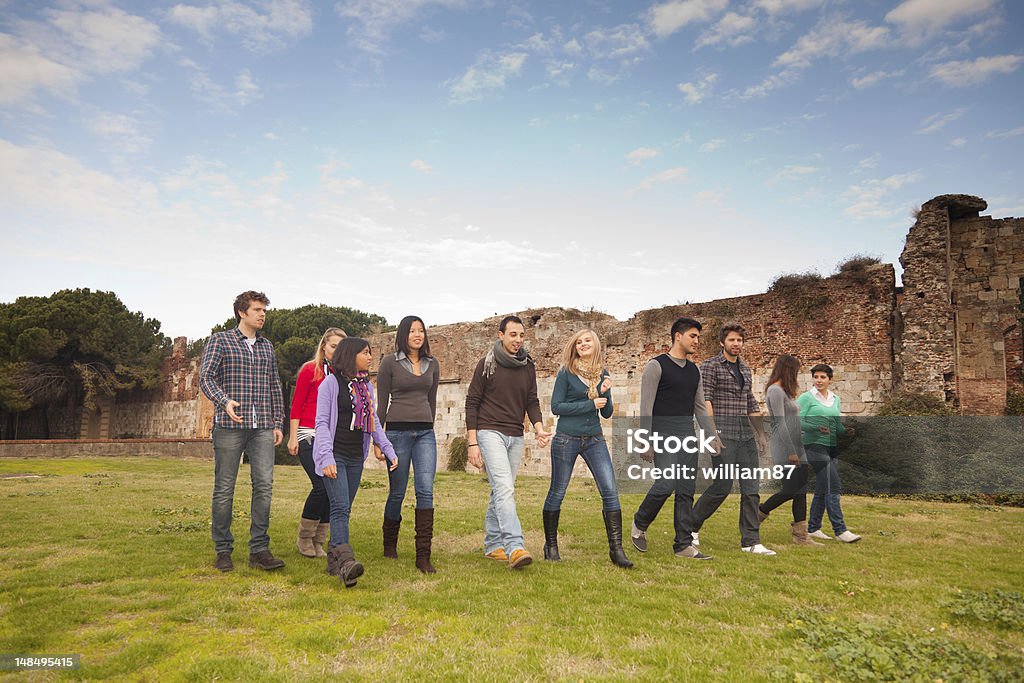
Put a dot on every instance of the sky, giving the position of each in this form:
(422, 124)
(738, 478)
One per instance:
(457, 159)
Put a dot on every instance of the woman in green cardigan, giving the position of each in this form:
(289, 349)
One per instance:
(820, 418)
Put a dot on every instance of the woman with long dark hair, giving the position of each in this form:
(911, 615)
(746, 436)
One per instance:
(346, 422)
(787, 446)
(407, 391)
(316, 513)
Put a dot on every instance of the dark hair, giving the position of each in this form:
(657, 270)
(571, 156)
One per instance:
(821, 367)
(509, 319)
(402, 335)
(785, 371)
(344, 359)
(726, 329)
(681, 325)
(245, 299)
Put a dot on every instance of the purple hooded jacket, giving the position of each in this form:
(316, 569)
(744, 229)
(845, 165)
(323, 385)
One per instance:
(327, 427)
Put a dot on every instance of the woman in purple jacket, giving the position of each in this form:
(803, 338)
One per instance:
(346, 422)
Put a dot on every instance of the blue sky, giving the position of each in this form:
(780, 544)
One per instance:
(457, 159)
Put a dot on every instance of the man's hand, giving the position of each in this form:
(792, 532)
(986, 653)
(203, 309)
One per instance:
(293, 444)
(794, 459)
(377, 453)
(278, 437)
(229, 408)
(331, 471)
(716, 447)
(544, 436)
(475, 458)
(762, 442)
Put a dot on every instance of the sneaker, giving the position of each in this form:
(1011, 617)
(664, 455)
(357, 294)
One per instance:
(696, 539)
(519, 559)
(692, 553)
(758, 549)
(264, 560)
(819, 534)
(224, 562)
(639, 538)
(498, 555)
(848, 537)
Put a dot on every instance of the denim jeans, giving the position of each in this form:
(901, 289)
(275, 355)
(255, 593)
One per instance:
(743, 454)
(564, 451)
(341, 491)
(317, 506)
(501, 454)
(826, 488)
(661, 489)
(228, 446)
(419, 449)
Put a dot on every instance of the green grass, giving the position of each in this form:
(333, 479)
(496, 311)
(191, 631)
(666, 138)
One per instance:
(110, 558)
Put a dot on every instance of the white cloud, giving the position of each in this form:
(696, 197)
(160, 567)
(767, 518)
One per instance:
(23, 70)
(867, 197)
(487, 76)
(920, 18)
(667, 18)
(694, 93)
(421, 166)
(966, 73)
(712, 145)
(472, 228)
(219, 97)
(936, 122)
(641, 154)
(373, 20)
(1013, 132)
(868, 80)
(957, 142)
(617, 42)
(669, 175)
(599, 75)
(268, 25)
(785, 6)
(559, 71)
(793, 172)
(831, 38)
(120, 130)
(732, 29)
(573, 48)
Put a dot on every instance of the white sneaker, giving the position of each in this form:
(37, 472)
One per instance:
(848, 537)
(820, 534)
(758, 550)
(696, 539)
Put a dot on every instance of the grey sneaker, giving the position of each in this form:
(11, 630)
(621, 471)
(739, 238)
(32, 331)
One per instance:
(819, 534)
(639, 538)
(224, 562)
(848, 537)
(758, 549)
(692, 553)
(264, 560)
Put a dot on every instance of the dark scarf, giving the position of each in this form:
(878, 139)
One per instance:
(362, 403)
(499, 355)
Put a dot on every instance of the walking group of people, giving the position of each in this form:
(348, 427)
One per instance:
(336, 419)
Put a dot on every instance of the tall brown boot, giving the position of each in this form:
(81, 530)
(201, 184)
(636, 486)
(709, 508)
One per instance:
(424, 536)
(800, 536)
(307, 529)
(320, 537)
(390, 531)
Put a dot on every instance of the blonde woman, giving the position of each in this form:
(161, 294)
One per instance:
(583, 390)
(316, 513)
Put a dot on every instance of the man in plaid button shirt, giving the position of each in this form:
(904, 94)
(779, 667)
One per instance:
(239, 375)
(728, 390)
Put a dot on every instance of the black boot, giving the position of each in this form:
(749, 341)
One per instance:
(390, 529)
(613, 525)
(551, 535)
(424, 536)
(348, 569)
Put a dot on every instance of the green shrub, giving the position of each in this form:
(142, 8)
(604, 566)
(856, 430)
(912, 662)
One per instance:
(458, 454)
(1015, 402)
(1005, 608)
(790, 281)
(803, 298)
(856, 263)
(913, 404)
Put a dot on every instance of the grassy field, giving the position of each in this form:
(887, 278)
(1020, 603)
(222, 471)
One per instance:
(111, 559)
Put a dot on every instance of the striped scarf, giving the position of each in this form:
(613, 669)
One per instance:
(362, 403)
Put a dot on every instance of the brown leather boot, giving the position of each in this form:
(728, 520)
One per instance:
(320, 537)
(307, 529)
(390, 531)
(424, 536)
(800, 536)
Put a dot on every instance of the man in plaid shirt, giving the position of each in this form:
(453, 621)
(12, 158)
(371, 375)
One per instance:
(239, 375)
(728, 389)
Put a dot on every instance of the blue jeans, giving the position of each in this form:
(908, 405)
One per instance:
(341, 491)
(826, 488)
(228, 446)
(501, 454)
(419, 449)
(564, 451)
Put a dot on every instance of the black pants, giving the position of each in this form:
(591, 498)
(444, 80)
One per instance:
(743, 454)
(660, 491)
(793, 488)
(317, 505)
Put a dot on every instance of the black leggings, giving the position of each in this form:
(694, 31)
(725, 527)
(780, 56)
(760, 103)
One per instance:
(793, 488)
(317, 505)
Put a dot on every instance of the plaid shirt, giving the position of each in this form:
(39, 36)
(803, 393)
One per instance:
(231, 371)
(728, 399)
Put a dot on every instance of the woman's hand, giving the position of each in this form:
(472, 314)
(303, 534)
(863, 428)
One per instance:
(392, 465)
(823, 429)
(794, 459)
(600, 403)
(331, 471)
(605, 385)
(378, 454)
(293, 444)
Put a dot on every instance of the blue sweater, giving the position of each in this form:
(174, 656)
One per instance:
(577, 415)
